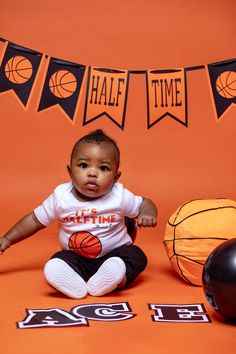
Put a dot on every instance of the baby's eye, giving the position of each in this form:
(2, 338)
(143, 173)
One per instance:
(83, 165)
(104, 168)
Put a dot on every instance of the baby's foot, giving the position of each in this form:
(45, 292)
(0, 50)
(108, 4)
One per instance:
(62, 277)
(107, 278)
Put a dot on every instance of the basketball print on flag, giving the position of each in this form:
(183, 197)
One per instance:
(62, 86)
(107, 92)
(166, 95)
(226, 84)
(18, 71)
(222, 81)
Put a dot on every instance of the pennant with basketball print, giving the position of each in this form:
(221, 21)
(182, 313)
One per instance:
(3, 46)
(107, 92)
(62, 86)
(222, 78)
(18, 71)
(166, 95)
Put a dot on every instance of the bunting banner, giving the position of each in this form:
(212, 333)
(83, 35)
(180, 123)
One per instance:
(18, 71)
(107, 89)
(222, 79)
(62, 86)
(166, 95)
(107, 93)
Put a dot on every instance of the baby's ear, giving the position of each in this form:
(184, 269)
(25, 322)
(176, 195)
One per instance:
(117, 176)
(69, 169)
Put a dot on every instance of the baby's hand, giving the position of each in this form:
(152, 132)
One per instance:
(4, 244)
(146, 220)
(147, 213)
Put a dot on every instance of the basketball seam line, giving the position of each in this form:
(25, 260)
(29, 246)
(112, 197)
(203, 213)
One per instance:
(188, 258)
(10, 71)
(182, 272)
(196, 238)
(66, 83)
(174, 252)
(177, 261)
(199, 212)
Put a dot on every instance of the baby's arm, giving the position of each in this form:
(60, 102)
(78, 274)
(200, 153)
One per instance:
(147, 213)
(24, 228)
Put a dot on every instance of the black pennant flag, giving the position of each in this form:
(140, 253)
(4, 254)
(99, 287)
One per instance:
(18, 71)
(222, 78)
(62, 86)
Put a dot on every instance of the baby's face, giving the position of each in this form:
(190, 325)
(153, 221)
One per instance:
(93, 170)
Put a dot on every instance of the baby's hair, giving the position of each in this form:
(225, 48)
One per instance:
(97, 137)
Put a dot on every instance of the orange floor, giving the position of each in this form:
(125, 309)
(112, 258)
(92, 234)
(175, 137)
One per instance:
(23, 287)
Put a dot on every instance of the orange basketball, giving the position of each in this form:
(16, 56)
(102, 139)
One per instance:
(85, 244)
(226, 84)
(194, 230)
(62, 84)
(18, 69)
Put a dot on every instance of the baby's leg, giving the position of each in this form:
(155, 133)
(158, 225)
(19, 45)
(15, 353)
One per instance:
(61, 272)
(119, 268)
(134, 258)
(108, 277)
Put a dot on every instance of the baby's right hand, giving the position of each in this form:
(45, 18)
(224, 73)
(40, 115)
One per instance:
(4, 244)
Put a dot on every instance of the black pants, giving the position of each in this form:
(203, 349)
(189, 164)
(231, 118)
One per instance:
(133, 257)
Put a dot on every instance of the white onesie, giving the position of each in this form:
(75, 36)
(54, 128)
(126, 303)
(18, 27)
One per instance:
(103, 218)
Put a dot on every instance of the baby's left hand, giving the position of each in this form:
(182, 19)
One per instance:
(146, 220)
(148, 213)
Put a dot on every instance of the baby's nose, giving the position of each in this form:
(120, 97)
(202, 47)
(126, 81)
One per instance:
(93, 172)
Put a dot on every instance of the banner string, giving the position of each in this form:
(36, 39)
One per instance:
(137, 72)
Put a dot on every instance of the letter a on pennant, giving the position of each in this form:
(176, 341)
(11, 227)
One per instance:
(107, 92)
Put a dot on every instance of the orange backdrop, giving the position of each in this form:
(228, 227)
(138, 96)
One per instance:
(168, 163)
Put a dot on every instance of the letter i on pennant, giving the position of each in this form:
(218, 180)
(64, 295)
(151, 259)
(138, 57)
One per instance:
(166, 95)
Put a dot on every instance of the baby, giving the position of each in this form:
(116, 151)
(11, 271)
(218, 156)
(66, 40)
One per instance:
(98, 254)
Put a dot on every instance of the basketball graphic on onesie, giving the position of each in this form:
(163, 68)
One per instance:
(85, 244)
(18, 69)
(62, 84)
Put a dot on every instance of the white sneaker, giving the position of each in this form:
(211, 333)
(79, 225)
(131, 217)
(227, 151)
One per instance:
(107, 278)
(62, 277)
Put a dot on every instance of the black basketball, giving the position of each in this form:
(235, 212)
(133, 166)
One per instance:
(219, 279)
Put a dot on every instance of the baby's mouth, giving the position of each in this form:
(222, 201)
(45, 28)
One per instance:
(91, 184)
